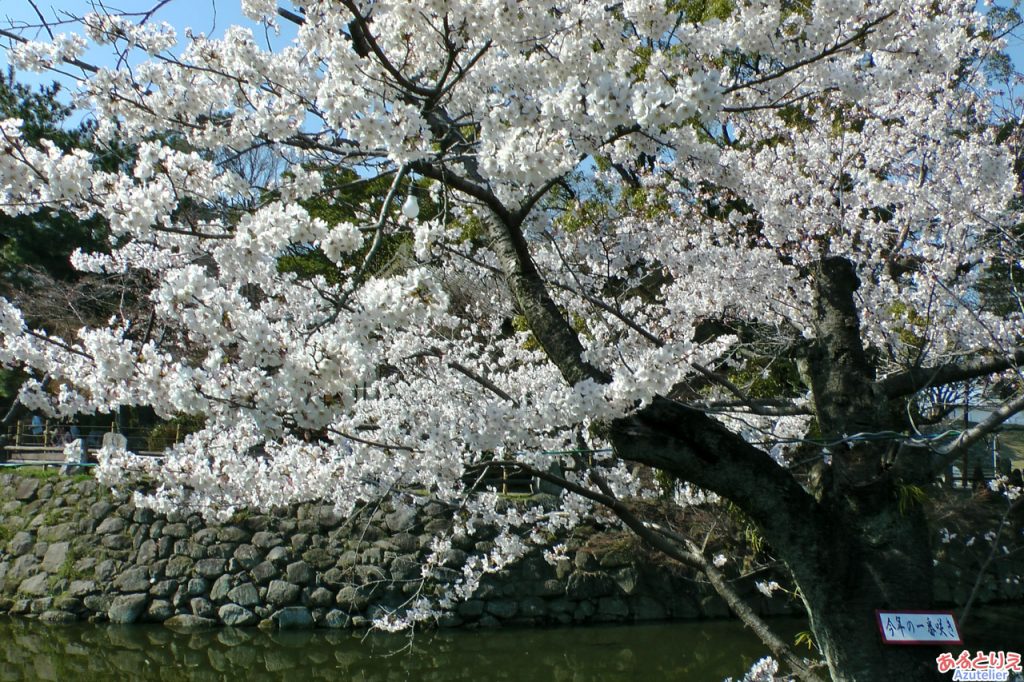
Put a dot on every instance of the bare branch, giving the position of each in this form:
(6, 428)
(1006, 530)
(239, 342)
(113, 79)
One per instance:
(914, 380)
(483, 381)
(687, 553)
(74, 62)
(972, 435)
(836, 48)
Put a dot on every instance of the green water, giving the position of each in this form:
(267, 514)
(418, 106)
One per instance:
(691, 651)
(648, 653)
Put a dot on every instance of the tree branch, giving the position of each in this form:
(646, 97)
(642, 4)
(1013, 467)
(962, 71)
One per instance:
(84, 66)
(838, 47)
(672, 546)
(483, 381)
(949, 453)
(914, 380)
(695, 447)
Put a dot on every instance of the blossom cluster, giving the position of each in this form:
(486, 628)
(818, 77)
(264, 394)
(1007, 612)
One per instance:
(724, 155)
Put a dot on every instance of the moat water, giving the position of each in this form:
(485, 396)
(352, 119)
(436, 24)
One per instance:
(674, 651)
(691, 651)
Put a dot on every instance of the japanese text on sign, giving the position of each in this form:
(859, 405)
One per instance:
(918, 627)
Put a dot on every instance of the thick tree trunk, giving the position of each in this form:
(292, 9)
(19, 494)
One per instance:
(880, 559)
(877, 554)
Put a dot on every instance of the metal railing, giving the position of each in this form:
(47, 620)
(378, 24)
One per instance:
(43, 442)
(504, 478)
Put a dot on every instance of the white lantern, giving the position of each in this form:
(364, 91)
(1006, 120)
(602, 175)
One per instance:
(411, 207)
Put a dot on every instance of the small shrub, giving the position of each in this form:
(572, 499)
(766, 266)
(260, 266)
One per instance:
(67, 570)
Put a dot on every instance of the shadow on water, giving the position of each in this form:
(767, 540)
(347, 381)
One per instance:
(671, 651)
(694, 651)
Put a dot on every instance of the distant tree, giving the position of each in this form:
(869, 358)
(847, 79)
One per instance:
(40, 243)
(36, 246)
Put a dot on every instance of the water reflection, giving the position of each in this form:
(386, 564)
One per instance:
(690, 651)
(666, 651)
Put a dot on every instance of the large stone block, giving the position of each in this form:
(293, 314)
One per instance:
(22, 543)
(612, 608)
(299, 573)
(280, 592)
(335, 577)
(175, 530)
(116, 542)
(135, 579)
(337, 619)
(265, 540)
(81, 588)
(189, 623)
(179, 566)
(111, 525)
(352, 598)
(265, 572)
(628, 580)
(201, 607)
(127, 608)
(220, 589)
(585, 585)
(279, 555)
(532, 607)
(26, 489)
(147, 552)
(159, 611)
(321, 597)
(97, 602)
(23, 567)
(233, 534)
(245, 594)
(106, 570)
(197, 586)
(502, 608)
(402, 519)
(36, 586)
(100, 510)
(248, 556)
(237, 616)
(164, 588)
(210, 568)
(319, 558)
(293, 618)
(58, 617)
(645, 607)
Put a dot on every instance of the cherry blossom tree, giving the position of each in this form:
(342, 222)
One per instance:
(732, 242)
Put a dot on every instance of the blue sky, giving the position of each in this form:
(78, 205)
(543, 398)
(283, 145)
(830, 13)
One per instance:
(211, 17)
(206, 16)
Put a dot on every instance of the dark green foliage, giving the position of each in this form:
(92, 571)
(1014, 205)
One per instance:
(702, 10)
(36, 247)
(350, 198)
(42, 242)
(168, 433)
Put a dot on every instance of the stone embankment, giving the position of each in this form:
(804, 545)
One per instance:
(70, 550)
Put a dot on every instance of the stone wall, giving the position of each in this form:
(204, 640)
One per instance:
(71, 550)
